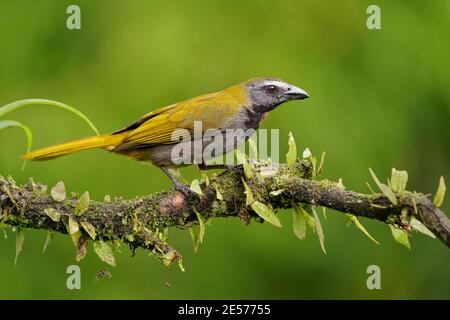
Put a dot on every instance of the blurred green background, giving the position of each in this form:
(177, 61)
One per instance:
(380, 99)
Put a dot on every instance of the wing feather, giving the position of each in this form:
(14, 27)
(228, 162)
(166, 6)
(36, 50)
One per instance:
(162, 125)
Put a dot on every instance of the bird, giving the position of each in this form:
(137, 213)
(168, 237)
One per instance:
(158, 136)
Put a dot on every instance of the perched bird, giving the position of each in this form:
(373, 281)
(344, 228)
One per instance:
(154, 137)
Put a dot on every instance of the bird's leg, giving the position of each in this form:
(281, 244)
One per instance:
(177, 184)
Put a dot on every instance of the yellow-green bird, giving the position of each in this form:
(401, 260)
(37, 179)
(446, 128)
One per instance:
(154, 137)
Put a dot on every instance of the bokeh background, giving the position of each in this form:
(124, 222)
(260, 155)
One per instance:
(380, 99)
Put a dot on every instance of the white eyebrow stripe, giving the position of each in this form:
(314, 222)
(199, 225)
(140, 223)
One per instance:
(275, 83)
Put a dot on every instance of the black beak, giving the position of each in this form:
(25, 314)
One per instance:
(294, 93)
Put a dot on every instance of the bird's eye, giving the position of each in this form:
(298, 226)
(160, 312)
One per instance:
(271, 89)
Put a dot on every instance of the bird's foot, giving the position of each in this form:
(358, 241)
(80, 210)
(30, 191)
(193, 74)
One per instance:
(184, 189)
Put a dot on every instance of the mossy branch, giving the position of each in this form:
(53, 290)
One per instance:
(140, 222)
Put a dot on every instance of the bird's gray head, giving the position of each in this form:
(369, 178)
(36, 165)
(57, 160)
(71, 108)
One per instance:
(267, 93)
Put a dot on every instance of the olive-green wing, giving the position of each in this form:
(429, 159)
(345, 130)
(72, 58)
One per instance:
(212, 110)
(144, 118)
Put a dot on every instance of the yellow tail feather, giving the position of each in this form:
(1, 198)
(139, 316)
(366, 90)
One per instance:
(72, 146)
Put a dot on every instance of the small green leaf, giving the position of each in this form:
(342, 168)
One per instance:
(194, 231)
(165, 234)
(205, 177)
(168, 258)
(195, 186)
(321, 163)
(370, 188)
(82, 204)
(107, 198)
(291, 155)
(47, 240)
(58, 192)
(248, 194)
(384, 188)
(218, 194)
(73, 229)
(306, 153)
(440, 193)
(53, 214)
(308, 156)
(180, 265)
(81, 248)
(75, 237)
(398, 180)
(73, 226)
(197, 232)
(358, 224)
(201, 225)
(203, 174)
(311, 223)
(319, 230)
(104, 252)
(400, 236)
(419, 226)
(90, 229)
(266, 213)
(388, 193)
(248, 171)
(276, 192)
(374, 177)
(20, 238)
(299, 222)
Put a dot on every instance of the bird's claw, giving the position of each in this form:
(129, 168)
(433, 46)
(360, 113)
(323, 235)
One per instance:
(184, 189)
